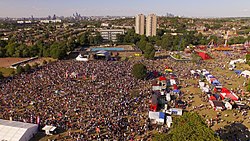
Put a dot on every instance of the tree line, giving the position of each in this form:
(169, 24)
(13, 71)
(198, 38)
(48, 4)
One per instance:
(57, 49)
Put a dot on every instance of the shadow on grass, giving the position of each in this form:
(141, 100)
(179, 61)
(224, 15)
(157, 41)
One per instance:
(234, 132)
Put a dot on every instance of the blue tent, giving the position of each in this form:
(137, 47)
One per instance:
(217, 96)
(211, 77)
(162, 115)
(238, 72)
(216, 82)
(176, 91)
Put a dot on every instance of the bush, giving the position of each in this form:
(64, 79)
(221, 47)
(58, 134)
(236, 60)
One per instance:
(1, 75)
(27, 67)
(19, 69)
(188, 127)
(139, 71)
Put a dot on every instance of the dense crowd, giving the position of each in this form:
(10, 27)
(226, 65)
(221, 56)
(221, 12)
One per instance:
(93, 100)
(101, 99)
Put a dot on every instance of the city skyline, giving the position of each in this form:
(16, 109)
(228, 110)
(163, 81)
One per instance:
(188, 8)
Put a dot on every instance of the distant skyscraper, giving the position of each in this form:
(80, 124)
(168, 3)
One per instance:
(140, 24)
(151, 25)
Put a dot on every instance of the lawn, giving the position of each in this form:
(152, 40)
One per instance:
(7, 71)
(234, 82)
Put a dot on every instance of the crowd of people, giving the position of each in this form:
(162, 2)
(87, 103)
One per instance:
(100, 98)
(93, 100)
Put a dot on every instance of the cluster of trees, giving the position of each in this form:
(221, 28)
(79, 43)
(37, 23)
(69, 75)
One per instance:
(165, 40)
(87, 39)
(57, 49)
(21, 69)
(238, 40)
(188, 127)
(139, 71)
(146, 44)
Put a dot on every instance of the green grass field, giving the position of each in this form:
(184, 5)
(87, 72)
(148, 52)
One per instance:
(7, 71)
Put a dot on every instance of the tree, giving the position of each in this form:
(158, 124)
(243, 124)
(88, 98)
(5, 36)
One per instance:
(2, 51)
(10, 49)
(97, 38)
(139, 71)
(1, 75)
(84, 41)
(19, 69)
(120, 38)
(167, 42)
(142, 44)
(189, 127)
(149, 52)
(27, 68)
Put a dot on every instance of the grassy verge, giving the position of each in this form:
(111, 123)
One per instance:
(7, 71)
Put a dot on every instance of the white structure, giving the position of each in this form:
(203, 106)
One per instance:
(228, 106)
(158, 117)
(51, 21)
(245, 73)
(169, 121)
(16, 131)
(168, 97)
(49, 129)
(140, 24)
(82, 58)
(104, 25)
(176, 111)
(110, 34)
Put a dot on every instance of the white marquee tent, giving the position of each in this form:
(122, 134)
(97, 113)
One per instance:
(17, 131)
(245, 73)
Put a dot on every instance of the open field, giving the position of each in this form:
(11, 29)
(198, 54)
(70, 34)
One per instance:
(6, 62)
(207, 111)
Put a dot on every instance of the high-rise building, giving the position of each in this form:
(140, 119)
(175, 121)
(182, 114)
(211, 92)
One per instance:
(140, 24)
(151, 25)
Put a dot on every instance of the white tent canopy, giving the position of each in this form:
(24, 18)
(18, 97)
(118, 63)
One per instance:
(245, 73)
(82, 58)
(17, 131)
(48, 129)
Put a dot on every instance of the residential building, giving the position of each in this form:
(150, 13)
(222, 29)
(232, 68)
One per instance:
(140, 24)
(151, 23)
(110, 34)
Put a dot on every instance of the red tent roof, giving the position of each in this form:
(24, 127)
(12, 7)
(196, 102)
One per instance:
(212, 98)
(229, 95)
(175, 87)
(162, 78)
(225, 90)
(204, 55)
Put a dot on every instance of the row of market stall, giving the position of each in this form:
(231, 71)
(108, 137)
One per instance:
(219, 96)
(164, 93)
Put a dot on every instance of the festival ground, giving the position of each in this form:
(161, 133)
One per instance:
(218, 67)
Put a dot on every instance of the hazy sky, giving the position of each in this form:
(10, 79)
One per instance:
(191, 8)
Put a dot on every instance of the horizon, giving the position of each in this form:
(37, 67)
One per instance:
(182, 8)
